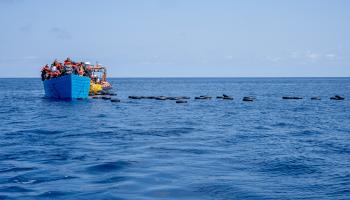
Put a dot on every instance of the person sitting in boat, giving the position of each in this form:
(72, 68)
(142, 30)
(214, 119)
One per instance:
(76, 68)
(67, 69)
(87, 69)
(68, 61)
(54, 71)
(45, 72)
(58, 66)
(80, 69)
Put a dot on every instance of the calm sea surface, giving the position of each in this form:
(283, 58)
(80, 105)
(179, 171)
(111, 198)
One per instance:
(205, 149)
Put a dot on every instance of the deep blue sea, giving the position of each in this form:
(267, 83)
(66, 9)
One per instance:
(206, 149)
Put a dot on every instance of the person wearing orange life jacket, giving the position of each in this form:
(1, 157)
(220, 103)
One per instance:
(45, 72)
(54, 71)
(58, 66)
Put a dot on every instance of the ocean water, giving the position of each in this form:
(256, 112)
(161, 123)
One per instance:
(205, 149)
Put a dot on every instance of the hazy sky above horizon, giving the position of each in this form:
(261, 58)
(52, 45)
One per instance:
(178, 38)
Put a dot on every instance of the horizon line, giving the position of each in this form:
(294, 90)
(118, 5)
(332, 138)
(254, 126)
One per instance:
(31, 77)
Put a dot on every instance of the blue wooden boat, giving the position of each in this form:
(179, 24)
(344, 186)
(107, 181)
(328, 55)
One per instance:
(67, 87)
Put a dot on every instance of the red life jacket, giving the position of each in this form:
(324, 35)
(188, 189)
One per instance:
(55, 74)
(59, 66)
(45, 68)
(66, 62)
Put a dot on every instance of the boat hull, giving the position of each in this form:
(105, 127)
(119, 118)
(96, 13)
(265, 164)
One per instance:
(67, 87)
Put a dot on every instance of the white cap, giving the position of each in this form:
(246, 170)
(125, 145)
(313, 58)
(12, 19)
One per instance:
(87, 63)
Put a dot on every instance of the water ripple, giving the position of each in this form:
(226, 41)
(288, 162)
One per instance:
(148, 149)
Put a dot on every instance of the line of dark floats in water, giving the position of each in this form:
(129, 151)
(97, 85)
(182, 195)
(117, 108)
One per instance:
(183, 99)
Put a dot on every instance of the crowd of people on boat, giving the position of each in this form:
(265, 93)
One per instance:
(58, 69)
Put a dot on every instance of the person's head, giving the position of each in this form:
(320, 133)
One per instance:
(68, 59)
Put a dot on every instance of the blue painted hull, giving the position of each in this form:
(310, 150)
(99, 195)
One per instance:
(67, 87)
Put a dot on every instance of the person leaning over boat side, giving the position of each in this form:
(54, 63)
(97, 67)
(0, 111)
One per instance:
(45, 72)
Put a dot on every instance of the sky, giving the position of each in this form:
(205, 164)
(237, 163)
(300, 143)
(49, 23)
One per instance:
(179, 38)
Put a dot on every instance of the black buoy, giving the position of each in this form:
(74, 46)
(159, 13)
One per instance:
(135, 97)
(173, 98)
(161, 98)
(337, 97)
(203, 97)
(115, 100)
(315, 98)
(288, 97)
(248, 99)
(106, 98)
(181, 101)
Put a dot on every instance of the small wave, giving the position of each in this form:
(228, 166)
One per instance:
(166, 132)
(342, 149)
(101, 116)
(173, 193)
(52, 194)
(108, 167)
(288, 167)
(36, 179)
(46, 132)
(282, 124)
(306, 133)
(227, 191)
(14, 189)
(17, 169)
(181, 150)
(262, 128)
(115, 179)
